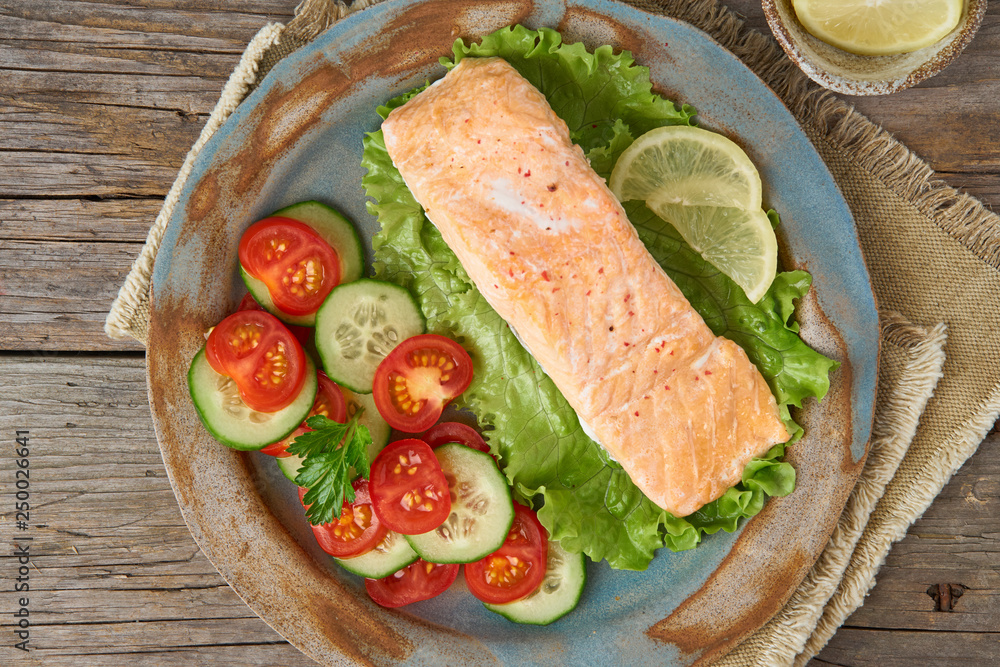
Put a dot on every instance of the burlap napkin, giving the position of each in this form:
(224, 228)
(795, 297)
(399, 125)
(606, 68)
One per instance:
(933, 254)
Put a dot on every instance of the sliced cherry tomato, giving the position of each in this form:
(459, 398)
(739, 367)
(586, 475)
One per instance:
(415, 582)
(409, 491)
(249, 303)
(417, 379)
(261, 356)
(445, 432)
(297, 265)
(329, 402)
(358, 529)
(302, 334)
(515, 569)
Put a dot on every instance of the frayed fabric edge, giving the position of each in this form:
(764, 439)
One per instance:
(788, 633)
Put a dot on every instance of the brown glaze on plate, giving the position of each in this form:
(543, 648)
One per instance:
(299, 137)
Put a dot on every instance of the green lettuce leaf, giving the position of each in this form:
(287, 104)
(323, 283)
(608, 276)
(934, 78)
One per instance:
(584, 498)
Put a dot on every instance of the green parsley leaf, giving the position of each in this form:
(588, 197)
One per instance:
(334, 454)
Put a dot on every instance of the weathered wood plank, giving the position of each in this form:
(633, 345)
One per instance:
(984, 187)
(73, 56)
(72, 174)
(142, 636)
(116, 574)
(119, 220)
(106, 99)
(56, 295)
(954, 543)
(946, 129)
(192, 18)
(36, 123)
(217, 655)
(882, 648)
(190, 94)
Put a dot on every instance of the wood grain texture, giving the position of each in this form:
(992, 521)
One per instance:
(78, 220)
(862, 647)
(115, 573)
(55, 295)
(99, 103)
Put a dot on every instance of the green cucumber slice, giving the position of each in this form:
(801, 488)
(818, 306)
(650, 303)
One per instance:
(481, 509)
(390, 555)
(228, 418)
(336, 230)
(289, 465)
(559, 593)
(360, 323)
(260, 294)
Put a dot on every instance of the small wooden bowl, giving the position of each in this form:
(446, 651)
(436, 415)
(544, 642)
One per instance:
(852, 74)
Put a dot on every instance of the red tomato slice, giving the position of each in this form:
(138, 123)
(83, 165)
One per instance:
(409, 491)
(249, 303)
(417, 379)
(261, 356)
(358, 529)
(297, 265)
(329, 402)
(444, 432)
(515, 569)
(302, 334)
(415, 582)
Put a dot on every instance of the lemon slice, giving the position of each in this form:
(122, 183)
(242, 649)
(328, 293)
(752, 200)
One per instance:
(879, 27)
(708, 189)
(739, 243)
(686, 165)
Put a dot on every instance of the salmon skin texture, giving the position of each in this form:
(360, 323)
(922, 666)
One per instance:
(551, 249)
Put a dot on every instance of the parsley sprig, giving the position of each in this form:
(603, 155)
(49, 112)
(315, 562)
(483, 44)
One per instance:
(329, 466)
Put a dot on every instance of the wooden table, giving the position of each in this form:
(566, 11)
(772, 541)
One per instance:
(99, 102)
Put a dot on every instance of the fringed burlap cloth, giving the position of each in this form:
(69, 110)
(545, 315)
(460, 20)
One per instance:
(933, 254)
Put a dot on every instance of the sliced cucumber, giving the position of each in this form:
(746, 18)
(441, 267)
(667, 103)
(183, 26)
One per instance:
(290, 465)
(228, 418)
(390, 555)
(258, 290)
(481, 509)
(336, 230)
(565, 576)
(379, 430)
(360, 323)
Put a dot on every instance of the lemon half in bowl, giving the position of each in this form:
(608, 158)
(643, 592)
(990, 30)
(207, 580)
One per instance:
(879, 27)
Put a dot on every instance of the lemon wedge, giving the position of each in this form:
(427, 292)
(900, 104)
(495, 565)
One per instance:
(686, 165)
(738, 242)
(879, 27)
(708, 189)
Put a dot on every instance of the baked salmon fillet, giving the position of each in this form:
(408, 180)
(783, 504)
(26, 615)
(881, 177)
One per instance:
(550, 248)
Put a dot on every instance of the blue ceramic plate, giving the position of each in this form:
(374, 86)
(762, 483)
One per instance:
(298, 136)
